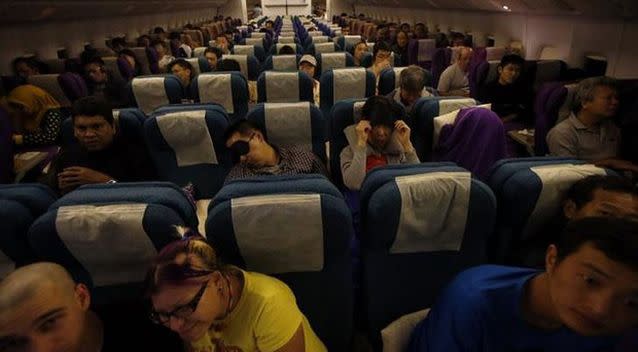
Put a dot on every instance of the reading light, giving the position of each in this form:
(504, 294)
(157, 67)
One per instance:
(506, 8)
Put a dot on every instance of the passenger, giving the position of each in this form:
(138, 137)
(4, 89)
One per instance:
(380, 138)
(35, 115)
(269, 25)
(217, 307)
(453, 80)
(144, 41)
(380, 58)
(510, 99)
(105, 84)
(582, 301)
(441, 41)
(589, 132)
(360, 49)
(412, 82)
(381, 35)
(25, 67)
(458, 39)
(176, 45)
(420, 31)
(213, 55)
(400, 48)
(185, 72)
(287, 50)
(102, 154)
(118, 44)
(131, 60)
(609, 196)
(164, 58)
(405, 27)
(160, 33)
(255, 156)
(190, 44)
(43, 309)
(229, 65)
(308, 64)
(223, 44)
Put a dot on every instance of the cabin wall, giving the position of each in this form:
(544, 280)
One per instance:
(235, 9)
(278, 7)
(572, 37)
(44, 39)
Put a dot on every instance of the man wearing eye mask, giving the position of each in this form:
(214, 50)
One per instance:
(254, 156)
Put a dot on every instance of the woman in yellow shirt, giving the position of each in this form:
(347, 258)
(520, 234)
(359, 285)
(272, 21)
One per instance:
(215, 307)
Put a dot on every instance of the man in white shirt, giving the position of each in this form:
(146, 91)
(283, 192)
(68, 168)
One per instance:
(453, 80)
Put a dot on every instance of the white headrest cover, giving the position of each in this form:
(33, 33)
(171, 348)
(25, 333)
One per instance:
(108, 240)
(282, 87)
(255, 41)
(321, 48)
(397, 75)
(199, 51)
(194, 61)
(285, 40)
(285, 63)
(556, 180)
(449, 105)
(349, 83)
(279, 233)
(332, 60)
(356, 111)
(434, 210)
(352, 39)
(187, 134)
(244, 50)
(216, 88)
(149, 93)
(242, 60)
(202, 215)
(289, 124)
(319, 39)
(258, 35)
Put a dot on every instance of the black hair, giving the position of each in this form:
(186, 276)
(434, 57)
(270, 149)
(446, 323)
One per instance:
(158, 30)
(118, 41)
(229, 65)
(93, 60)
(175, 36)
(286, 50)
(381, 111)
(380, 45)
(512, 59)
(617, 238)
(215, 50)
(244, 127)
(582, 192)
(93, 106)
(183, 63)
(29, 61)
(271, 22)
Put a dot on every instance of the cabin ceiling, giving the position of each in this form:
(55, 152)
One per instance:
(595, 8)
(34, 11)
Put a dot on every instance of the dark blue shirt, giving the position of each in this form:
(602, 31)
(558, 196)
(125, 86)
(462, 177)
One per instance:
(480, 311)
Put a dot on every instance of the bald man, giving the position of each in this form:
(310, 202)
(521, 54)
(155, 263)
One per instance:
(453, 80)
(42, 309)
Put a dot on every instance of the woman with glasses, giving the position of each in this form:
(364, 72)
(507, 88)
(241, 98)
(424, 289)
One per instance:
(216, 307)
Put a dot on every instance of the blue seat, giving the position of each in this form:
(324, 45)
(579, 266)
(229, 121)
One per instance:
(529, 192)
(284, 87)
(108, 246)
(318, 48)
(274, 50)
(348, 42)
(249, 65)
(389, 80)
(187, 146)
(228, 89)
(20, 205)
(315, 40)
(298, 124)
(349, 83)
(366, 60)
(282, 63)
(128, 124)
(422, 121)
(255, 50)
(421, 225)
(328, 61)
(298, 229)
(150, 92)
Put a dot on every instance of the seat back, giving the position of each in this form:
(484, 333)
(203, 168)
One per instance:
(347, 42)
(529, 192)
(346, 83)
(427, 110)
(319, 48)
(297, 229)
(389, 80)
(64, 87)
(552, 104)
(440, 61)
(228, 89)
(494, 53)
(292, 124)
(274, 50)
(421, 52)
(249, 65)
(328, 61)
(200, 65)
(254, 41)
(421, 225)
(256, 50)
(282, 63)
(142, 57)
(187, 146)
(284, 87)
(150, 92)
(20, 205)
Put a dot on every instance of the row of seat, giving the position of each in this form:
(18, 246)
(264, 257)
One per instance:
(420, 225)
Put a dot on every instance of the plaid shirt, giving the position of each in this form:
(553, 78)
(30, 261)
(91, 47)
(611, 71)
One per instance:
(292, 161)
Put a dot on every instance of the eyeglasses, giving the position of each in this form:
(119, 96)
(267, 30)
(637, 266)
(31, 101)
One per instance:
(240, 148)
(181, 312)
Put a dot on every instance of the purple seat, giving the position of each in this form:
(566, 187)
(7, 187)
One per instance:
(440, 61)
(547, 103)
(425, 60)
(479, 56)
(6, 148)
(153, 60)
(475, 141)
(127, 72)
(73, 86)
